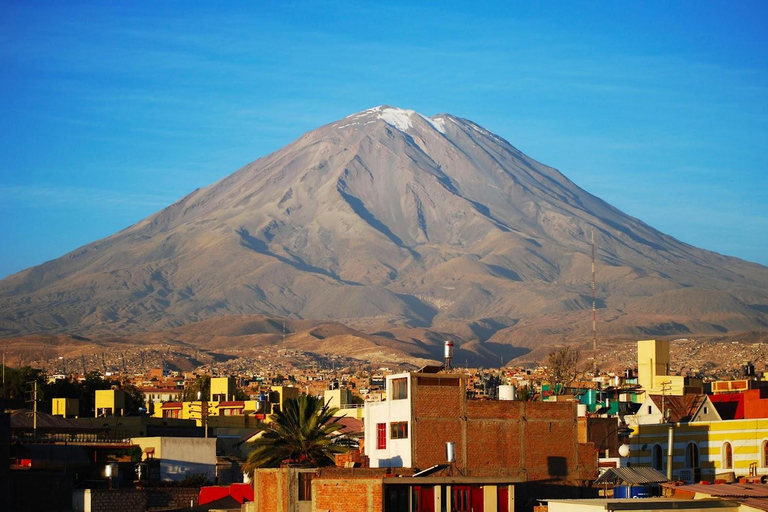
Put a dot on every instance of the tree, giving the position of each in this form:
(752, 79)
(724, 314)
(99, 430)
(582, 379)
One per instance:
(562, 363)
(202, 384)
(301, 432)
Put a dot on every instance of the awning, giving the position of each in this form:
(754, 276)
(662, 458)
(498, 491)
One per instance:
(632, 476)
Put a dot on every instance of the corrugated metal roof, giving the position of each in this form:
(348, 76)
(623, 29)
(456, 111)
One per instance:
(728, 490)
(634, 476)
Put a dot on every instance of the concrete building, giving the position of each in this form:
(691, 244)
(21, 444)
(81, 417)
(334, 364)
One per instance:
(674, 409)
(653, 371)
(180, 457)
(702, 450)
(110, 402)
(223, 389)
(65, 407)
(426, 411)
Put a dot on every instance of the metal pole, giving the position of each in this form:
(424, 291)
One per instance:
(670, 450)
(34, 413)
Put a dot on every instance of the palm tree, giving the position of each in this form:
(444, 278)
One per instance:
(301, 432)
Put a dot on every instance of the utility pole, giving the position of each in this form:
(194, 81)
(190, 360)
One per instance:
(33, 393)
(203, 412)
(82, 358)
(664, 389)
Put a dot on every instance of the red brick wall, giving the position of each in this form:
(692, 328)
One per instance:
(268, 485)
(534, 439)
(347, 495)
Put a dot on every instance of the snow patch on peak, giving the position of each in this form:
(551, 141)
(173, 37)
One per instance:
(438, 123)
(397, 117)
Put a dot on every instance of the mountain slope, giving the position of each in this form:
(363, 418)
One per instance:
(387, 219)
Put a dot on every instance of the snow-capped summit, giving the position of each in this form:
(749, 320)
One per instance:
(392, 218)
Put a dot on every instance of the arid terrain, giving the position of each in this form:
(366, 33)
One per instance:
(377, 237)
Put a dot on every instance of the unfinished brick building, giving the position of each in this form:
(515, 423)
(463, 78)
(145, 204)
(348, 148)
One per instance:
(535, 441)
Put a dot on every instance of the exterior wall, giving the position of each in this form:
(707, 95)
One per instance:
(283, 393)
(745, 436)
(346, 494)
(182, 456)
(652, 360)
(268, 490)
(113, 399)
(756, 404)
(66, 407)
(223, 386)
(398, 451)
(601, 432)
(533, 440)
(337, 397)
(131, 500)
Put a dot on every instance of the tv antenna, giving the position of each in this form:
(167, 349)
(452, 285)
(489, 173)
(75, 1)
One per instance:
(594, 310)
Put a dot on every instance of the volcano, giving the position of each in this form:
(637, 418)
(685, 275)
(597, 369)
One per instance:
(387, 220)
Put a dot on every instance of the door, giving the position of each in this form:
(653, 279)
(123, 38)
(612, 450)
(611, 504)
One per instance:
(423, 498)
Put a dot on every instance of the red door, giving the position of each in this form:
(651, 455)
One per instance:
(503, 498)
(424, 498)
(478, 499)
(467, 499)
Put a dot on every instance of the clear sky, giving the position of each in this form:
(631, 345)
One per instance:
(110, 111)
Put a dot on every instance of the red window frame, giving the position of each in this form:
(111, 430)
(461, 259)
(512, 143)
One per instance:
(381, 436)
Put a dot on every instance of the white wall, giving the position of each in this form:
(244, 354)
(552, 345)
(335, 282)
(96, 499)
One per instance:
(398, 451)
(182, 456)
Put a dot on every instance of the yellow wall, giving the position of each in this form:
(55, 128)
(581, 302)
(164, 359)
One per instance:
(223, 386)
(66, 407)
(746, 437)
(113, 399)
(652, 361)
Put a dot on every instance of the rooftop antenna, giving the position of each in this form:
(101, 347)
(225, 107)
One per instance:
(594, 310)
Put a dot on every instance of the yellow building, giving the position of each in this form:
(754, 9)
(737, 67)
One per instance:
(110, 402)
(653, 371)
(223, 389)
(228, 413)
(342, 399)
(66, 407)
(704, 449)
(280, 394)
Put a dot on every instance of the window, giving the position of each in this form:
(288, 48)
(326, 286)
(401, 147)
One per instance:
(305, 486)
(727, 455)
(398, 430)
(650, 409)
(691, 456)
(461, 499)
(171, 413)
(706, 409)
(765, 454)
(657, 457)
(399, 389)
(381, 436)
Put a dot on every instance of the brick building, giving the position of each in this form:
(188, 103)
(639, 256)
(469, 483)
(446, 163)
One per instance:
(377, 490)
(533, 441)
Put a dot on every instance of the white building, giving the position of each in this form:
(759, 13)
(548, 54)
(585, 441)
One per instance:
(181, 457)
(388, 424)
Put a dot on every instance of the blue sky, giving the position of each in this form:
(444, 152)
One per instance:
(110, 111)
